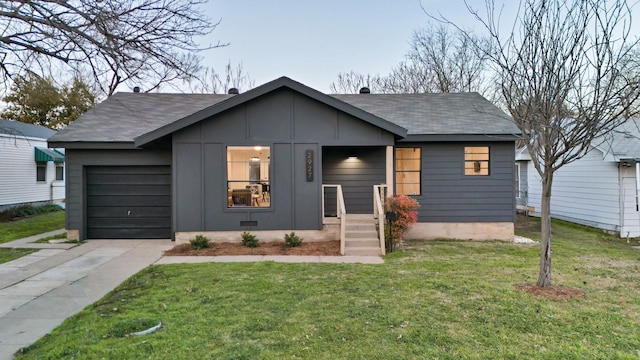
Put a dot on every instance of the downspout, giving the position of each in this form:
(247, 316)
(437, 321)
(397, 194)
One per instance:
(637, 182)
(51, 190)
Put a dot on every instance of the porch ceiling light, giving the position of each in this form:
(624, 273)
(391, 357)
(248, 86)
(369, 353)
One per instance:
(353, 154)
(255, 158)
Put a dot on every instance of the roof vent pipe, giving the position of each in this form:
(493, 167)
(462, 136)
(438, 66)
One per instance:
(136, 89)
(365, 90)
(234, 91)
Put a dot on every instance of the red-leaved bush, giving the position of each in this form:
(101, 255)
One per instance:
(406, 210)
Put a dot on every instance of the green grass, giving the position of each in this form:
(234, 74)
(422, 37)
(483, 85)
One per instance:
(34, 225)
(7, 255)
(45, 240)
(430, 300)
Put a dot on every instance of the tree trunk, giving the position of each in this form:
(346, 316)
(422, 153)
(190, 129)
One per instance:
(544, 279)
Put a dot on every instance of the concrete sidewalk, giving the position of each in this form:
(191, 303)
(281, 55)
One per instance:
(40, 290)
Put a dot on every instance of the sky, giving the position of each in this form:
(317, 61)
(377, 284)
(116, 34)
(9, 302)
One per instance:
(313, 41)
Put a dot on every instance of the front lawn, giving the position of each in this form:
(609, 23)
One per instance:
(433, 299)
(34, 225)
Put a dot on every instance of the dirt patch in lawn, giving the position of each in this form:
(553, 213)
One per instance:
(552, 292)
(324, 248)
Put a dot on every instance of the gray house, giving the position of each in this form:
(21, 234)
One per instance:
(284, 157)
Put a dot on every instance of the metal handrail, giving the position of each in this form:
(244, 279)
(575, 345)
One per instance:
(341, 212)
(378, 212)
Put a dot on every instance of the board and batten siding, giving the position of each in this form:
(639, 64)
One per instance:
(290, 124)
(18, 184)
(586, 191)
(448, 195)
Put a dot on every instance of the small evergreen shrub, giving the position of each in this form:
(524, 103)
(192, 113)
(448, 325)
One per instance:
(199, 242)
(292, 239)
(249, 240)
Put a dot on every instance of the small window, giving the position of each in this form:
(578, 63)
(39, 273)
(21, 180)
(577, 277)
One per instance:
(408, 166)
(248, 183)
(59, 171)
(41, 171)
(476, 160)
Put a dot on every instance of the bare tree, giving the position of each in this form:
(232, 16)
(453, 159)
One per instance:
(220, 83)
(352, 82)
(146, 42)
(566, 77)
(440, 60)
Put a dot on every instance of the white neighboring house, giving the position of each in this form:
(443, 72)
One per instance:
(598, 190)
(31, 172)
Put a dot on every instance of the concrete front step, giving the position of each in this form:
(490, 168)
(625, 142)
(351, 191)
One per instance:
(362, 251)
(360, 227)
(372, 242)
(361, 234)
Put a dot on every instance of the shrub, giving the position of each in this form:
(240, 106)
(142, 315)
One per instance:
(27, 210)
(292, 239)
(406, 210)
(249, 240)
(200, 242)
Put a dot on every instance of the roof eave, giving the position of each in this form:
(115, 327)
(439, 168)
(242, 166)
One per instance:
(459, 137)
(103, 145)
(262, 90)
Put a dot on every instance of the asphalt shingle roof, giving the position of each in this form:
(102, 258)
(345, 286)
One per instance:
(442, 113)
(125, 116)
(623, 142)
(17, 128)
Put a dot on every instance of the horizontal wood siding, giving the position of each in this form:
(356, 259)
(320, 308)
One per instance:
(357, 176)
(450, 196)
(586, 191)
(18, 183)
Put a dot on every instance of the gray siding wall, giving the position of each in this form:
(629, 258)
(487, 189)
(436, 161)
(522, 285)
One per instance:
(288, 122)
(75, 161)
(357, 176)
(450, 196)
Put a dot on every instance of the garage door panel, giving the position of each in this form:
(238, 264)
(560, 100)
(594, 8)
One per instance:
(128, 202)
(130, 211)
(138, 190)
(121, 170)
(125, 222)
(123, 233)
(114, 201)
(127, 179)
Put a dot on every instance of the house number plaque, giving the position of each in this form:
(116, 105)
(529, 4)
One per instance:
(308, 162)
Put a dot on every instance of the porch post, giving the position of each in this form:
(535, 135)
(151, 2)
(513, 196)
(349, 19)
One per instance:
(389, 171)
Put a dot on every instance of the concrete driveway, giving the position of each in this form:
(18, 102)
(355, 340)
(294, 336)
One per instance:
(39, 291)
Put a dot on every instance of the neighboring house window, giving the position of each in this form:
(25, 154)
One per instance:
(408, 166)
(517, 180)
(59, 171)
(476, 160)
(41, 171)
(248, 179)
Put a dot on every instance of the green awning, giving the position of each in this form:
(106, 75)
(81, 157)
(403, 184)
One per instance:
(44, 155)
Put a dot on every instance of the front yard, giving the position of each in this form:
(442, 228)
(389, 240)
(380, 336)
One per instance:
(432, 299)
